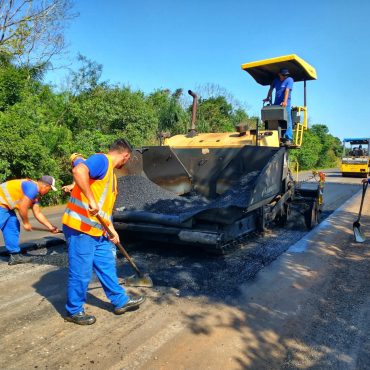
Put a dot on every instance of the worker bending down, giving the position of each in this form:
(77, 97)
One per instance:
(89, 247)
(21, 195)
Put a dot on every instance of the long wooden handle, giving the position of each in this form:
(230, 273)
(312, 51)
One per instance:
(118, 245)
(364, 188)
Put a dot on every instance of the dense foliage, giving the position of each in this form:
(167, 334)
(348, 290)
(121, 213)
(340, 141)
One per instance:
(40, 128)
(319, 149)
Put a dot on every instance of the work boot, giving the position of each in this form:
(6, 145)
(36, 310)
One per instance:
(18, 258)
(81, 318)
(131, 305)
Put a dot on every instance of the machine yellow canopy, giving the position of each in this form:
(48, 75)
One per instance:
(264, 71)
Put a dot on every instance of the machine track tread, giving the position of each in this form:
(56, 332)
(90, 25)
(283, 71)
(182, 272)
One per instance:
(225, 248)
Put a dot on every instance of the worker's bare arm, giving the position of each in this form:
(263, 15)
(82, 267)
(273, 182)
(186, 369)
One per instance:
(23, 206)
(81, 177)
(68, 188)
(115, 239)
(269, 94)
(40, 217)
(286, 95)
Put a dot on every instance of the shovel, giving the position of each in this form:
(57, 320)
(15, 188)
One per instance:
(359, 238)
(141, 279)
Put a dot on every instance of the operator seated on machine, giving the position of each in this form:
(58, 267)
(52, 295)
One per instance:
(283, 85)
(357, 151)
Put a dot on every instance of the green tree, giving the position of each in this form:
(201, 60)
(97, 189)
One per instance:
(308, 155)
(32, 141)
(114, 111)
(87, 77)
(239, 115)
(330, 146)
(319, 149)
(33, 30)
(214, 115)
(171, 116)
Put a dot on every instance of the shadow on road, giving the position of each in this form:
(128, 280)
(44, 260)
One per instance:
(52, 286)
(320, 325)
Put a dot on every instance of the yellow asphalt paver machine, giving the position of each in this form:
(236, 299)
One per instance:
(212, 189)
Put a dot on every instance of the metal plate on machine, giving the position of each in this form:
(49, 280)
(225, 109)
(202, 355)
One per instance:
(162, 166)
(274, 112)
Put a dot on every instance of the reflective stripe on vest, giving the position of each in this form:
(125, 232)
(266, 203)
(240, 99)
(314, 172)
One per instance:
(80, 204)
(8, 197)
(104, 190)
(11, 193)
(84, 219)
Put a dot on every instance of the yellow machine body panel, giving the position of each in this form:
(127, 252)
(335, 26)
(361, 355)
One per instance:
(264, 71)
(301, 126)
(355, 157)
(223, 140)
(353, 169)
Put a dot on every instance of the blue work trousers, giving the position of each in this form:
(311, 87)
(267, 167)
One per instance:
(85, 254)
(10, 227)
(289, 131)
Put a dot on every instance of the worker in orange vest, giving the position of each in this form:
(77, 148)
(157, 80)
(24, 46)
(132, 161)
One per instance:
(21, 195)
(89, 247)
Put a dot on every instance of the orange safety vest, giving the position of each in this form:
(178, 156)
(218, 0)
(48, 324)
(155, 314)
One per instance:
(11, 193)
(76, 215)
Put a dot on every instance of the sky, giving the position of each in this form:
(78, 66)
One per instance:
(154, 44)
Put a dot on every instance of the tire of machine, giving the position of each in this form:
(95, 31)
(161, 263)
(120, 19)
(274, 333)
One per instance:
(311, 216)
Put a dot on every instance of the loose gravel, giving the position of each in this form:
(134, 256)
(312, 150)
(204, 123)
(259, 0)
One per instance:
(195, 273)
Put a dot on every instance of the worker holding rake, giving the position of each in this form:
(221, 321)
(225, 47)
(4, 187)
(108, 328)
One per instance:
(89, 246)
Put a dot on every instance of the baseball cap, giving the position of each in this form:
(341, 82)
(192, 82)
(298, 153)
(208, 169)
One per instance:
(49, 180)
(284, 71)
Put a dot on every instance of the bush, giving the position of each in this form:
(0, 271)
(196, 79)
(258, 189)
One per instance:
(41, 128)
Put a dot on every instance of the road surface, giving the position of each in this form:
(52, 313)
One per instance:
(287, 300)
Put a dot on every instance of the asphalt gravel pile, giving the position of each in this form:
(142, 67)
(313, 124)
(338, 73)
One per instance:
(138, 193)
